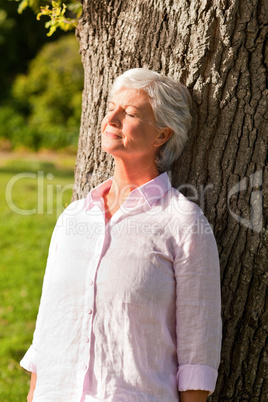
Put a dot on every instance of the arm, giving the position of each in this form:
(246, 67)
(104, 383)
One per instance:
(198, 310)
(32, 387)
(193, 396)
(29, 360)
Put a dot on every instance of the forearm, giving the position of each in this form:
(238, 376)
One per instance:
(193, 396)
(32, 387)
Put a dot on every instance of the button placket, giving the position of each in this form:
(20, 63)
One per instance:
(95, 262)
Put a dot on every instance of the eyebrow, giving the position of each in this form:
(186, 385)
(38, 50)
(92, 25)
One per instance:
(129, 104)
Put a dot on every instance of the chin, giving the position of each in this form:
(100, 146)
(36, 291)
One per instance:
(107, 148)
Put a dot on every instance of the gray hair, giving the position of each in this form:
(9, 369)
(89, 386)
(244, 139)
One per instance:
(171, 104)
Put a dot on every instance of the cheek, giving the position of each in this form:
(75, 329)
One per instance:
(103, 124)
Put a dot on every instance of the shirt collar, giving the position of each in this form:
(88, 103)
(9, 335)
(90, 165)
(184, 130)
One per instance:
(155, 189)
(151, 192)
(96, 193)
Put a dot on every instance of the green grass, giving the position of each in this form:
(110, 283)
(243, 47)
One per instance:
(33, 192)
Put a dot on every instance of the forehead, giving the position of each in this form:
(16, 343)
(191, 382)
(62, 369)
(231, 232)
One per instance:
(129, 96)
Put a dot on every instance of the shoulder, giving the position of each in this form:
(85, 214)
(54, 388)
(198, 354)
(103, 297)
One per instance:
(177, 198)
(74, 211)
(75, 207)
(182, 217)
(180, 207)
(191, 229)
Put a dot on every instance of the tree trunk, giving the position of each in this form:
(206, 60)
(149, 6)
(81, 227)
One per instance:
(217, 49)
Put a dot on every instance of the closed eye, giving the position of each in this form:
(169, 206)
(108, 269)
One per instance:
(111, 109)
(130, 115)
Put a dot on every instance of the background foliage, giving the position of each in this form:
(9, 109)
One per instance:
(49, 97)
(40, 103)
(61, 14)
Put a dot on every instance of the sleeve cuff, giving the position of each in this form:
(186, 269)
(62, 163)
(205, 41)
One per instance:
(29, 360)
(197, 377)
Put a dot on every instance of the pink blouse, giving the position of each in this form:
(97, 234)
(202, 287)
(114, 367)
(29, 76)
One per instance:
(130, 310)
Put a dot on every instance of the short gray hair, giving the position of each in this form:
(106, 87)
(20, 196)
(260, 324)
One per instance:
(171, 104)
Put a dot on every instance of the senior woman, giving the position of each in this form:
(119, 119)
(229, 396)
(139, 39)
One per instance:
(130, 308)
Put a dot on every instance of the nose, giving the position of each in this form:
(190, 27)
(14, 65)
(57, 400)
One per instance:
(113, 118)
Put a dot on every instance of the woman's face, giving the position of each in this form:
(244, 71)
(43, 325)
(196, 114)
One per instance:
(128, 129)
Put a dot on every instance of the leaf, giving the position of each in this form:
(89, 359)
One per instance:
(23, 4)
(56, 12)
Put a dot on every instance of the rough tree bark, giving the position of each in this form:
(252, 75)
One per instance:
(218, 48)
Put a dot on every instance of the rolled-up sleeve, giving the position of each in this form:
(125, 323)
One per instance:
(29, 360)
(198, 308)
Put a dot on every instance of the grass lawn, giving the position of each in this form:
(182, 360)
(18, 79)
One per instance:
(34, 189)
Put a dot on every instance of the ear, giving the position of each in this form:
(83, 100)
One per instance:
(163, 136)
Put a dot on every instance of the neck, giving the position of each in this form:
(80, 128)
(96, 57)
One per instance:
(128, 176)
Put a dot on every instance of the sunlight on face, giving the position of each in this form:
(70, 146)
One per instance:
(129, 127)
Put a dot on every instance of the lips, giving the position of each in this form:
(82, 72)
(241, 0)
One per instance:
(112, 135)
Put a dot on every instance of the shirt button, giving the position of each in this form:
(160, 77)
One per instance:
(87, 340)
(90, 311)
(90, 283)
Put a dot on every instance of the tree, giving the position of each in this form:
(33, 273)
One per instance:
(217, 48)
